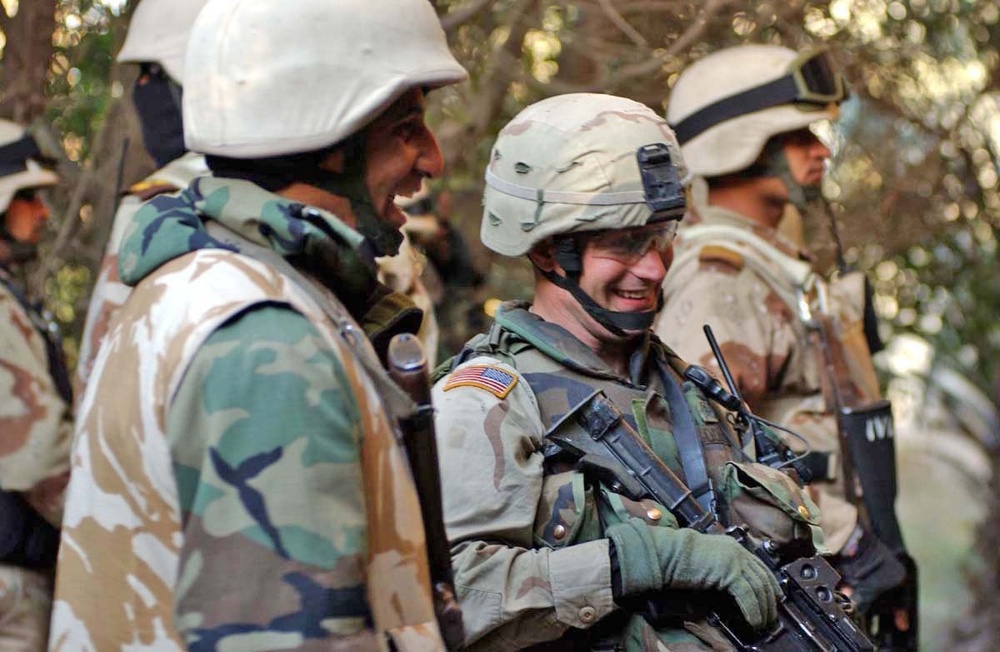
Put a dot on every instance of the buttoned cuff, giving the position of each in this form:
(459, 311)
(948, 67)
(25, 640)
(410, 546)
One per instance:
(580, 577)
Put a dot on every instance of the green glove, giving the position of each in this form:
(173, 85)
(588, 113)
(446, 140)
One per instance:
(652, 558)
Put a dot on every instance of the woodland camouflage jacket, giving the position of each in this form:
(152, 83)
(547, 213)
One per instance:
(236, 481)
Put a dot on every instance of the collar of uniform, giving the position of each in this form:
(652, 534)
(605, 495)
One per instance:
(263, 217)
(560, 345)
(709, 214)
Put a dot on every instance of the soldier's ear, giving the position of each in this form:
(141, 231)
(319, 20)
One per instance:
(334, 161)
(543, 256)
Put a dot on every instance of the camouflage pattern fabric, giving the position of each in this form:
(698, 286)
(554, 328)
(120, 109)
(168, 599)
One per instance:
(25, 609)
(750, 304)
(36, 422)
(237, 482)
(531, 564)
(109, 292)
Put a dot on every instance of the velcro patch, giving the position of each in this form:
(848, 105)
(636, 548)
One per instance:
(719, 254)
(493, 379)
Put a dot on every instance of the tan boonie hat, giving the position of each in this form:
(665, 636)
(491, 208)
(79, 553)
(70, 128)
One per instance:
(18, 168)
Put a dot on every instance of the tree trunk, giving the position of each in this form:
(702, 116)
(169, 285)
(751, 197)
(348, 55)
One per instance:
(26, 59)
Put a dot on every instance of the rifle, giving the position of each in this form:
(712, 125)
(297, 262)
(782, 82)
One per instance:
(872, 338)
(810, 613)
(407, 366)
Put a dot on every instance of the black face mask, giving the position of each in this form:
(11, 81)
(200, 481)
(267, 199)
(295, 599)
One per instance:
(158, 103)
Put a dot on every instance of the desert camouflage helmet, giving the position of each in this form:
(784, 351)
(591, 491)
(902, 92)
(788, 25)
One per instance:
(726, 106)
(19, 167)
(266, 78)
(158, 33)
(570, 164)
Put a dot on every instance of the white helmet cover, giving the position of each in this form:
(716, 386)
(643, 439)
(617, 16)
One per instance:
(574, 155)
(267, 78)
(27, 173)
(158, 32)
(735, 144)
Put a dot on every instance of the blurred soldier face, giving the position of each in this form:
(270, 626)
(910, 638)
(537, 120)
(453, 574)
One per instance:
(400, 152)
(806, 156)
(26, 216)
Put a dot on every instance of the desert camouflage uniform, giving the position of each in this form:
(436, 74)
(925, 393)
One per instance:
(36, 431)
(109, 292)
(531, 564)
(237, 482)
(743, 280)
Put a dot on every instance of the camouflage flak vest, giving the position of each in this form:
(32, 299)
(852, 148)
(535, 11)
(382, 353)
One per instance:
(147, 357)
(562, 373)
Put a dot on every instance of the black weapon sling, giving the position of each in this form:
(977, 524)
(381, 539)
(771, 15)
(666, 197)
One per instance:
(688, 442)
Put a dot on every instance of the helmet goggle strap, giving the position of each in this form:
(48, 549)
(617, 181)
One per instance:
(811, 81)
(14, 156)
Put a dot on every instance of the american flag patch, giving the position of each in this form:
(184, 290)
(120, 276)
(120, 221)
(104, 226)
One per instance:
(494, 380)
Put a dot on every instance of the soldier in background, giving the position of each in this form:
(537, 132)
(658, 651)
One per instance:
(36, 421)
(156, 40)
(451, 278)
(407, 272)
(743, 118)
(238, 481)
(543, 553)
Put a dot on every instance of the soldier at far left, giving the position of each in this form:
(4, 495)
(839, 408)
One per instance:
(36, 424)
(156, 40)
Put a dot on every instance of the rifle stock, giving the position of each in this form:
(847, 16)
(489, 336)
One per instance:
(810, 614)
(407, 366)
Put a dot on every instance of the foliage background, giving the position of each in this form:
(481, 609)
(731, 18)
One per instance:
(914, 178)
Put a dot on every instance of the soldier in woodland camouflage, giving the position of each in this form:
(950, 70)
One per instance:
(237, 480)
(156, 41)
(743, 117)
(36, 422)
(544, 554)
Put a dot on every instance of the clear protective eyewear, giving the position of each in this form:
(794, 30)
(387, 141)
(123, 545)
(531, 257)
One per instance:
(628, 246)
(810, 80)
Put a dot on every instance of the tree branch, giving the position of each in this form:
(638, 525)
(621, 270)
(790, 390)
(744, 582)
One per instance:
(455, 19)
(622, 24)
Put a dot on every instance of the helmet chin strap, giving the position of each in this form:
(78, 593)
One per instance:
(383, 237)
(776, 164)
(618, 323)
